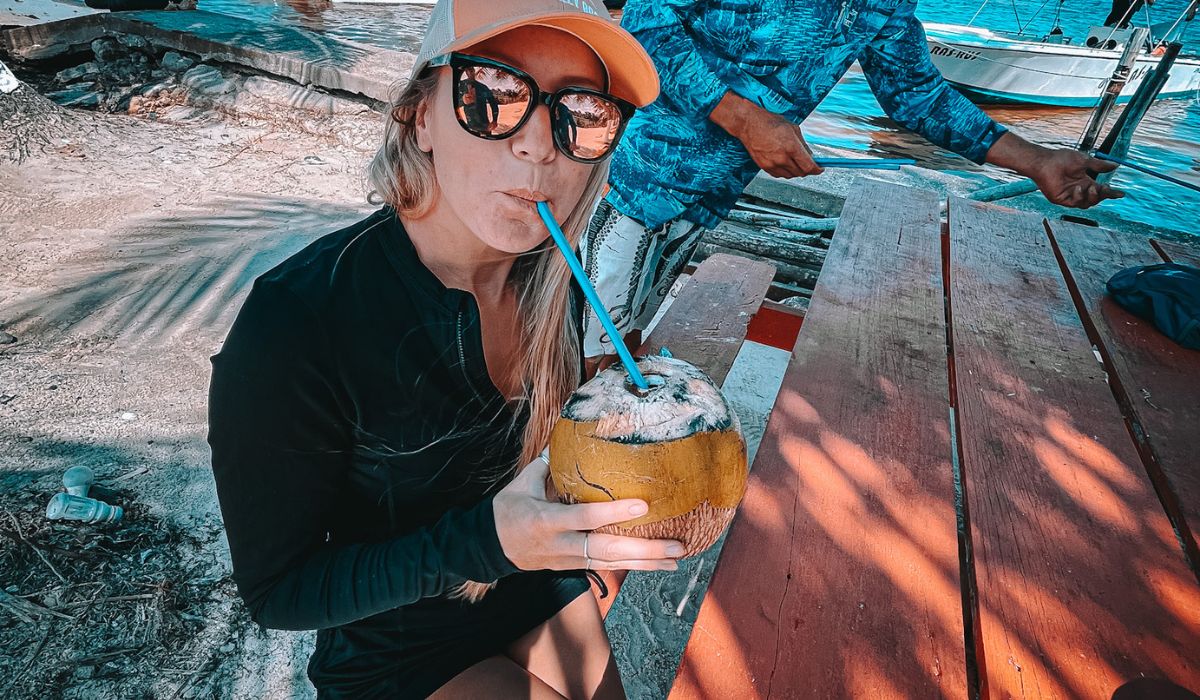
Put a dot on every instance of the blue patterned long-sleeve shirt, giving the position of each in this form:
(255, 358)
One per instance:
(784, 55)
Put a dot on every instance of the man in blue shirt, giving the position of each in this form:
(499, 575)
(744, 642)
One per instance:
(737, 78)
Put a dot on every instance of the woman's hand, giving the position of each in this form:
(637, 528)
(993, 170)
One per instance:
(538, 534)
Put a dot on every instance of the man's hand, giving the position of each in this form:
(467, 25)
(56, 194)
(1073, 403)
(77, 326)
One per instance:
(1062, 174)
(775, 144)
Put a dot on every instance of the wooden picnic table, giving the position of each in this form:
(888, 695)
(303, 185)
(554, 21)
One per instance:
(980, 477)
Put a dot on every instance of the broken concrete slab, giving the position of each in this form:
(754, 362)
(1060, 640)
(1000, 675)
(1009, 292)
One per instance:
(25, 13)
(83, 70)
(208, 80)
(78, 95)
(296, 97)
(175, 62)
(299, 55)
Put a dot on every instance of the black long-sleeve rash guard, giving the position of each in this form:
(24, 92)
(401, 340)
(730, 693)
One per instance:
(356, 436)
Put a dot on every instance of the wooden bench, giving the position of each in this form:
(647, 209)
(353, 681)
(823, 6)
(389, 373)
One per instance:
(949, 500)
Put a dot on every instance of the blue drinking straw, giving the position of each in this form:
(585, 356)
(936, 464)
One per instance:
(865, 163)
(1148, 171)
(590, 292)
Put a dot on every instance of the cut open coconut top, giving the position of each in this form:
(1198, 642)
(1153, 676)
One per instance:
(681, 402)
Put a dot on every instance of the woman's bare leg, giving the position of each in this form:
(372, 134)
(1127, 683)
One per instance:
(496, 677)
(570, 653)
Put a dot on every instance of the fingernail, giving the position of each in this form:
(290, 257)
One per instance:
(674, 550)
(638, 509)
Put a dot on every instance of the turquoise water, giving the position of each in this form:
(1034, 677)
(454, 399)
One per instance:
(1168, 139)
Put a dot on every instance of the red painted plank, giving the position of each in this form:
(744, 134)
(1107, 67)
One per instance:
(706, 326)
(840, 575)
(1081, 585)
(1157, 381)
(775, 325)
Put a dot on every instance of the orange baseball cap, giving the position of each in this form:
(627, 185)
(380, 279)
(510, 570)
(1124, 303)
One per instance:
(458, 24)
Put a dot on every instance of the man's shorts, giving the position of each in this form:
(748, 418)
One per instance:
(632, 268)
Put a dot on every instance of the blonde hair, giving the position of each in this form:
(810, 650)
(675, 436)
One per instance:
(402, 175)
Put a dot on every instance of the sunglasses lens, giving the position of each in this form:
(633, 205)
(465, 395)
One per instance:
(586, 125)
(490, 101)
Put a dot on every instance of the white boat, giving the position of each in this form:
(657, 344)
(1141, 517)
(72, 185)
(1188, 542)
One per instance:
(993, 68)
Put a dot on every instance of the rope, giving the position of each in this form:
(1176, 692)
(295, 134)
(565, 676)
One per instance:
(1148, 171)
(974, 16)
(1191, 7)
(1021, 28)
(1015, 13)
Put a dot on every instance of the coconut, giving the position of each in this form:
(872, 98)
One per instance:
(677, 446)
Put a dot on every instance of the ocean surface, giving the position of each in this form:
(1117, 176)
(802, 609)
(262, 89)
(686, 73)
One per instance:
(850, 118)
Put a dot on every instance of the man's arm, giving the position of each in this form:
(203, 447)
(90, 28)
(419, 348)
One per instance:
(686, 82)
(1064, 175)
(912, 91)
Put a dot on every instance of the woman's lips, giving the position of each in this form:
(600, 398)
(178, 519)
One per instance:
(525, 200)
(529, 195)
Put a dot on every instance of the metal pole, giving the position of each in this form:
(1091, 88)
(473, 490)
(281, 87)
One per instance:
(1112, 89)
(1116, 144)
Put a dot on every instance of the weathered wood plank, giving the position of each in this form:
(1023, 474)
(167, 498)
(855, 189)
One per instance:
(774, 243)
(706, 326)
(1081, 586)
(1180, 253)
(840, 575)
(1157, 381)
(784, 272)
(794, 195)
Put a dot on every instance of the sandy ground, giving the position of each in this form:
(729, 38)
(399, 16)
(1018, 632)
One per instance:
(127, 245)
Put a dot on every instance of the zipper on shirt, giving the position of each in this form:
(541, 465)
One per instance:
(462, 355)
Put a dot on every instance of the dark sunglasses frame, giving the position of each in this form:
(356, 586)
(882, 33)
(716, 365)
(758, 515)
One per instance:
(459, 62)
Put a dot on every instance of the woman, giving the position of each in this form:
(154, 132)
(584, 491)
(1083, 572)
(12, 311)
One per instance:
(379, 407)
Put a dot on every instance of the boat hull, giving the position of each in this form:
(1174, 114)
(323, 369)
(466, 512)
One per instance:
(992, 69)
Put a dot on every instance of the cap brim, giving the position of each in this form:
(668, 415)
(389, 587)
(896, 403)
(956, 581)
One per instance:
(631, 73)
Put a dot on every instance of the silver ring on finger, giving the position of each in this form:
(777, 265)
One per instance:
(587, 560)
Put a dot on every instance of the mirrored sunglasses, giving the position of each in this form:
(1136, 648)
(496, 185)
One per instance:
(493, 101)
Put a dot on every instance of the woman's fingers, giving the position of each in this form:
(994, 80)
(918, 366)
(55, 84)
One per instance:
(589, 516)
(620, 549)
(635, 565)
(539, 534)
(536, 473)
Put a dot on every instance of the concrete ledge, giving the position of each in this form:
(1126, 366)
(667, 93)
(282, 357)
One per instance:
(23, 13)
(305, 57)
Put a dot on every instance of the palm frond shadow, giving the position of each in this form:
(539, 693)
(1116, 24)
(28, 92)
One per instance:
(185, 273)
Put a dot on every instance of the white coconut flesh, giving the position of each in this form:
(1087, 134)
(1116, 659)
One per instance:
(681, 402)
